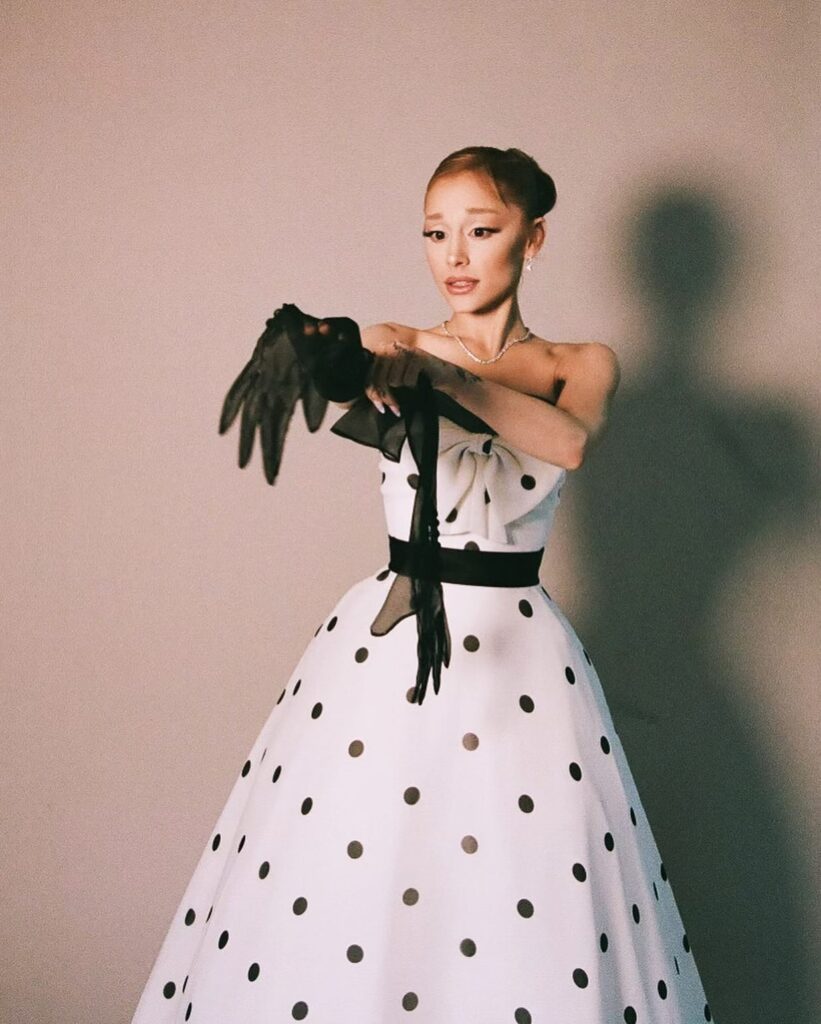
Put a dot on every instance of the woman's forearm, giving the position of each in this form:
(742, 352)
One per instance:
(531, 424)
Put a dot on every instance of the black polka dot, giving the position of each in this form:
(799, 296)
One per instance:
(471, 643)
(264, 752)
(633, 816)
(486, 446)
(636, 914)
(383, 575)
(525, 803)
(525, 908)
(451, 516)
(277, 773)
(355, 748)
(222, 942)
(575, 770)
(316, 633)
(299, 1011)
(580, 977)
(332, 622)
(685, 942)
(468, 947)
(410, 897)
(662, 987)
(526, 703)
(286, 688)
(216, 841)
(355, 954)
(603, 942)
(528, 482)
(253, 972)
(487, 497)
(297, 685)
(264, 868)
(470, 844)
(608, 840)
(413, 480)
(605, 744)
(570, 675)
(579, 872)
(246, 768)
(630, 1015)
(470, 741)
(410, 1000)
(663, 871)
(411, 795)
(522, 1016)
(184, 984)
(471, 546)
(299, 906)
(307, 804)
(361, 654)
(355, 849)
(169, 988)
(190, 916)
(526, 608)
(210, 912)
(241, 844)
(316, 710)
(655, 891)
(383, 476)
(675, 961)
(188, 1011)
(707, 1012)
(587, 657)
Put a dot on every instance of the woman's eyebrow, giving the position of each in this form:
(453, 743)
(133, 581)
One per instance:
(470, 209)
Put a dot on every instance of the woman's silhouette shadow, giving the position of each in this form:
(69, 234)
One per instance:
(684, 481)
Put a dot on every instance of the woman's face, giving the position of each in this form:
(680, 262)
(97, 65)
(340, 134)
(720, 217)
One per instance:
(469, 232)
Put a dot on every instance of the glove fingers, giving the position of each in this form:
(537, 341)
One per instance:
(246, 435)
(234, 398)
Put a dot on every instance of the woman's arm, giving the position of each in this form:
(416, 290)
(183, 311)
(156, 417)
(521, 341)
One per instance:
(588, 375)
(373, 338)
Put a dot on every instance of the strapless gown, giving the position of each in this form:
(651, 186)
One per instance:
(482, 857)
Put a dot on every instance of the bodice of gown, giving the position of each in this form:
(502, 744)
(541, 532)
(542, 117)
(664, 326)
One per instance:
(488, 491)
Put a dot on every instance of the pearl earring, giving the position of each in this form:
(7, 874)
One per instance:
(529, 263)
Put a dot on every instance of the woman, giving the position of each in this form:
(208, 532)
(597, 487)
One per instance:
(482, 857)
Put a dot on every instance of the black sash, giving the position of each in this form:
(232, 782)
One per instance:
(468, 566)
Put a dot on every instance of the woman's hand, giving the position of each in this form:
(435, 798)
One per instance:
(397, 365)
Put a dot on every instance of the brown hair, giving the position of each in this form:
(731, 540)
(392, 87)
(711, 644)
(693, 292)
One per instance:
(517, 176)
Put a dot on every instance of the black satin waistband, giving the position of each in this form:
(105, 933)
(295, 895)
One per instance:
(473, 567)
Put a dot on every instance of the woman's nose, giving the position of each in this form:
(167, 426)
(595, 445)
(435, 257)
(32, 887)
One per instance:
(455, 257)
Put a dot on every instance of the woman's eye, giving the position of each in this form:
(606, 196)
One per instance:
(436, 231)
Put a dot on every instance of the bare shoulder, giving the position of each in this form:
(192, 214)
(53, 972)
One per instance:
(591, 360)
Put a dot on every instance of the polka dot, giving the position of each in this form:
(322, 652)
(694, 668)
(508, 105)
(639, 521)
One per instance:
(264, 868)
(277, 773)
(663, 871)
(307, 804)
(685, 942)
(410, 1000)
(451, 516)
(246, 768)
(384, 574)
(471, 643)
(470, 844)
(264, 752)
(525, 803)
(580, 977)
(316, 633)
(662, 988)
(603, 942)
(411, 795)
(355, 954)
(188, 1011)
(587, 656)
(361, 655)
(487, 497)
(630, 1015)
(526, 703)
(655, 891)
(355, 748)
(707, 1013)
(409, 695)
(299, 906)
(575, 770)
(605, 744)
(413, 480)
(383, 476)
(470, 741)
(332, 622)
(355, 849)
(222, 942)
(190, 916)
(471, 546)
(299, 1011)
(522, 1016)
(253, 972)
(486, 446)
(675, 961)
(526, 608)
(241, 844)
(215, 842)
(633, 816)
(569, 675)
(410, 897)
(528, 482)
(609, 842)
(169, 988)
(297, 685)
(525, 908)
(210, 912)
(316, 710)
(579, 872)
(184, 984)
(467, 947)
(636, 914)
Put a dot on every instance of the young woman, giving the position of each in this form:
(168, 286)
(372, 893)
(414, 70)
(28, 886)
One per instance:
(481, 856)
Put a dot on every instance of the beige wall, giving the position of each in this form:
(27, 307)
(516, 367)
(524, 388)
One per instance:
(175, 172)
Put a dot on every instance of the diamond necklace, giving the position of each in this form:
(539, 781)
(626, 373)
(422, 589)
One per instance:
(476, 359)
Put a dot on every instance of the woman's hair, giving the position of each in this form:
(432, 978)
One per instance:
(517, 176)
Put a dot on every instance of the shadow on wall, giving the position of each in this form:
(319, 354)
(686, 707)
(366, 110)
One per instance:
(685, 480)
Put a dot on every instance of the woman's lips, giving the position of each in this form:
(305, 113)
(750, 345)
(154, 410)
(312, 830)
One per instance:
(460, 287)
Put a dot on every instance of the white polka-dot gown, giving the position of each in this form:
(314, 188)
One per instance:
(483, 857)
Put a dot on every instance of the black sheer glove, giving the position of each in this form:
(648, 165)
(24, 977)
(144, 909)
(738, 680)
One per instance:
(297, 356)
